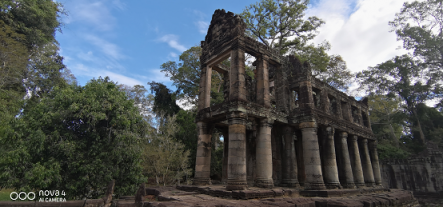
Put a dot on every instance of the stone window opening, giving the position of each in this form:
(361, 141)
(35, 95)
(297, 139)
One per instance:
(355, 117)
(332, 105)
(316, 97)
(344, 111)
(295, 97)
(365, 119)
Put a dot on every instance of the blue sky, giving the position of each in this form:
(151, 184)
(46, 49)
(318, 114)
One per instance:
(129, 40)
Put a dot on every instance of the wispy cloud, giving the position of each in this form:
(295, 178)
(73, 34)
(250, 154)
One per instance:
(96, 14)
(92, 72)
(110, 49)
(202, 26)
(172, 41)
(173, 54)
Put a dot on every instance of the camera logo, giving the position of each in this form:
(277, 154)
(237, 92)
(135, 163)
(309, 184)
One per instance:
(45, 196)
(22, 196)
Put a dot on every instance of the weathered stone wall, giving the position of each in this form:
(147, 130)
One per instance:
(422, 173)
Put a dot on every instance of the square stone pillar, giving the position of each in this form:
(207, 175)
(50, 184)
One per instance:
(207, 95)
(225, 133)
(289, 174)
(202, 88)
(346, 112)
(325, 101)
(366, 164)
(339, 110)
(356, 162)
(311, 156)
(264, 155)
(305, 97)
(347, 176)
(360, 117)
(237, 177)
(237, 87)
(203, 160)
(375, 163)
(263, 81)
(330, 161)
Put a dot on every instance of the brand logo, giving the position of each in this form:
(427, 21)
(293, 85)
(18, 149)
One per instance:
(22, 196)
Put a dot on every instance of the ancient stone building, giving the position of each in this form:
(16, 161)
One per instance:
(283, 127)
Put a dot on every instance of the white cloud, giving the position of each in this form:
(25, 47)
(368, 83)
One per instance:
(363, 38)
(96, 14)
(173, 54)
(157, 76)
(106, 47)
(202, 26)
(172, 41)
(85, 71)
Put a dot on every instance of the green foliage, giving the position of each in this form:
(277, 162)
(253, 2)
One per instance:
(280, 24)
(419, 25)
(406, 78)
(163, 157)
(387, 118)
(387, 151)
(76, 139)
(187, 134)
(216, 158)
(37, 20)
(164, 100)
(274, 22)
(185, 75)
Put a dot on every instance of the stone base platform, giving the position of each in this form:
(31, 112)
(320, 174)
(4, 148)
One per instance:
(341, 192)
(215, 195)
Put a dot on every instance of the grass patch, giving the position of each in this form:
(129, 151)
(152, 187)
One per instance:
(4, 194)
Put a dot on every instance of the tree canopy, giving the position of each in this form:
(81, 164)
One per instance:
(76, 139)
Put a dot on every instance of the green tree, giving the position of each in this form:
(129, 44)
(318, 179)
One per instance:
(37, 20)
(387, 118)
(420, 26)
(163, 157)
(76, 139)
(280, 25)
(403, 77)
(185, 76)
(164, 100)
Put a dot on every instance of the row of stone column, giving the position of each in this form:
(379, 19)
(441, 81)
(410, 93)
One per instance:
(355, 170)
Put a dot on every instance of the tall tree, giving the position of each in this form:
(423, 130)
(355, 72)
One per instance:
(164, 100)
(186, 76)
(280, 25)
(420, 26)
(76, 139)
(387, 118)
(402, 76)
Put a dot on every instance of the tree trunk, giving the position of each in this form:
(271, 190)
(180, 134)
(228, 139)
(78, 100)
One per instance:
(394, 139)
(422, 135)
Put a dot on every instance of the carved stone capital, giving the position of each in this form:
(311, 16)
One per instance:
(307, 125)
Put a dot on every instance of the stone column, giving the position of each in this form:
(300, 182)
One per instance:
(289, 174)
(207, 96)
(203, 160)
(360, 117)
(264, 156)
(356, 162)
(330, 161)
(366, 163)
(237, 88)
(225, 155)
(237, 179)
(201, 89)
(339, 110)
(375, 163)
(347, 177)
(311, 156)
(263, 81)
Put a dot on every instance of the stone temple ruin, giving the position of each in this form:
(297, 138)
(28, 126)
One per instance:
(282, 128)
